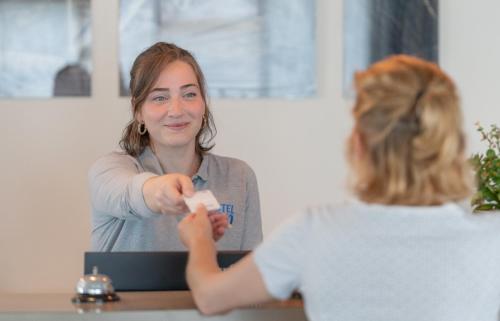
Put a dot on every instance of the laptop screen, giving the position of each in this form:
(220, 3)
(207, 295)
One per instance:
(149, 271)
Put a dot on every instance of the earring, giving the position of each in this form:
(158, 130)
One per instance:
(142, 129)
(205, 121)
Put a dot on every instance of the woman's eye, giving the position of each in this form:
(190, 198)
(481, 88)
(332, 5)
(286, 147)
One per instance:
(190, 95)
(160, 99)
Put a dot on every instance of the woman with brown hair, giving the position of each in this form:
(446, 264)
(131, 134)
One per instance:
(405, 250)
(137, 192)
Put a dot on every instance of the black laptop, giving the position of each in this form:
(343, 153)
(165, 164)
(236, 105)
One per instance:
(149, 271)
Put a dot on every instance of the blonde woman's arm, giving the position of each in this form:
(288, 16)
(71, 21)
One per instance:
(215, 291)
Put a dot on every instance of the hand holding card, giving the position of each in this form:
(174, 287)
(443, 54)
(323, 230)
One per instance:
(218, 220)
(204, 197)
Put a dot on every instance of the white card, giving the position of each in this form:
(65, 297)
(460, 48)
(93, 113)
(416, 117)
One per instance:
(204, 197)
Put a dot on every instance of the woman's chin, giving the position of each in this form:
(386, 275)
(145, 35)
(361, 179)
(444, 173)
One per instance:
(176, 142)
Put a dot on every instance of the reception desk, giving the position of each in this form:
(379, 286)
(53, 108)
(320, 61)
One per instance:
(144, 306)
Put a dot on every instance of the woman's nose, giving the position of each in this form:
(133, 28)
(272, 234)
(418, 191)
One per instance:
(175, 107)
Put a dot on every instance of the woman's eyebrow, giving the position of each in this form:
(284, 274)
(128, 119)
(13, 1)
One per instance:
(168, 89)
(188, 85)
(160, 89)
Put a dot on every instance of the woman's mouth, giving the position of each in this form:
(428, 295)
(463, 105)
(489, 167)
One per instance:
(177, 126)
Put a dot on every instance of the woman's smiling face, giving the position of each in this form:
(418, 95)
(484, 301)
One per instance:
(173, 111)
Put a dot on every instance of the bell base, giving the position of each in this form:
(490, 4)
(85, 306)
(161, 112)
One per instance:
(97, 298)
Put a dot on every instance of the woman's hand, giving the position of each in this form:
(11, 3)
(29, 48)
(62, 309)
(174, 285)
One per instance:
(202, 226)
(196, 227)
(219, 224)
(163, 194)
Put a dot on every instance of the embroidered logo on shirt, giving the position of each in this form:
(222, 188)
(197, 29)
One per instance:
(229, 210)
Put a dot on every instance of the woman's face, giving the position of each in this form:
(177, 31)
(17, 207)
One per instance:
(173, 111)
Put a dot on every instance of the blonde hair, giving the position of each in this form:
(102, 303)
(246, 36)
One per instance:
(409, 123)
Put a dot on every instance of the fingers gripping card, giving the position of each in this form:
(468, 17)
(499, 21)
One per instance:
(204, 197)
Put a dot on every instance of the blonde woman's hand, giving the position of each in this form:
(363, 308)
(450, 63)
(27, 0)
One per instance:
(196, 227)
(163, 194)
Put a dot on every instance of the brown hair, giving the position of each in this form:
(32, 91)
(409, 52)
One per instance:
(143, 75)
(409, 122)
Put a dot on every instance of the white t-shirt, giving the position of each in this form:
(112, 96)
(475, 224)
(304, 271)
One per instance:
(374, 262)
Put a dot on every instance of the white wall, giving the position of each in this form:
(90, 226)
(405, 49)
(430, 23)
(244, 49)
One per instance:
(470, 53)
(295, 147)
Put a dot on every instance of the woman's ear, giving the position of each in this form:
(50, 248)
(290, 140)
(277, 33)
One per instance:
(357, 145)
(138, 117)
(137, 113)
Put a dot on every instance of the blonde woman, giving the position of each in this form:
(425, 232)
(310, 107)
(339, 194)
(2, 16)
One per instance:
(405, 250)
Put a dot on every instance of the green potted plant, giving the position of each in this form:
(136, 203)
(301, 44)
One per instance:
(487, 168)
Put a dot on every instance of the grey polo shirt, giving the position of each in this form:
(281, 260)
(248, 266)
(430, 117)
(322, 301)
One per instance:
(121, 220)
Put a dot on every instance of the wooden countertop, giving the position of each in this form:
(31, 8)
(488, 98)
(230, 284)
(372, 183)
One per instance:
(130, 301)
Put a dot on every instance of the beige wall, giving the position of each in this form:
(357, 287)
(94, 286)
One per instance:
(295, 147)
